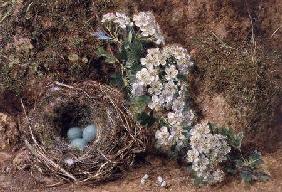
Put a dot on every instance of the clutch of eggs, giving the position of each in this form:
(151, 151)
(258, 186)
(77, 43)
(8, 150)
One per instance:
(79, 138)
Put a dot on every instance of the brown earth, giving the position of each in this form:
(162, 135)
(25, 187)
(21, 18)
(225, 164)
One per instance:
(177, 179)
(237, 48)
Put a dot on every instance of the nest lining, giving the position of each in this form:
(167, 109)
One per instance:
(119, 139)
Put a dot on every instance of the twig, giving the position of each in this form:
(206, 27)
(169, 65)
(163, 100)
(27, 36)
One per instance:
(28, 122)
(222, 42)
(275, 31)
(47, 160)
(64, 85)
(253, 35)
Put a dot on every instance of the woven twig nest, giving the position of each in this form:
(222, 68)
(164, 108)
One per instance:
(118, 141)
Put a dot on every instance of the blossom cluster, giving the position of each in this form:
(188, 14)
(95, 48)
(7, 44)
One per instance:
(159, 82)
(120, 19)
(207, 151)
(149, 27)
(159, 78)
(145, 21)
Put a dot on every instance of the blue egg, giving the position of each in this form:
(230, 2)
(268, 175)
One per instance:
(89, 133)
(78, 143)
(74, 133)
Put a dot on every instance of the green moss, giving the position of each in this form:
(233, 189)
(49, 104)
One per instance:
(56, 30)
(250, 87)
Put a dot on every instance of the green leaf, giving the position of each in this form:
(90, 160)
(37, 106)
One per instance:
(134, 52)
(234, 140)
(250, 169)
(163, 122)
(117, 80)
(254, 160)
(182, 77)
(231, 171)
(249, 175)
(146, 119)
(138, 104)
(129, 38)
(246, 176)
(109, 58)
(262, 176)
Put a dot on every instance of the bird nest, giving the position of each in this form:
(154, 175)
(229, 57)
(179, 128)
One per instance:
(118, 140)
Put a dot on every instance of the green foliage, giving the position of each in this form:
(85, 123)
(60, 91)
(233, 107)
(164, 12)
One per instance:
(182, 77)
(109, 58)
(139, 104)
(250, 168)
(128, 53)
(234, 140)
(146, 119)
(133, 53)
(117, 80)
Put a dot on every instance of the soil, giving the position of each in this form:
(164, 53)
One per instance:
(177, 179)
(236, 45)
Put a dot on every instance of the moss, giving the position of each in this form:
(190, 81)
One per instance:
(251, 87)
(56, 31)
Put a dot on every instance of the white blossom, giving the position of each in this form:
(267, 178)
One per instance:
(178, 104)
(167, 92)
(193, 156)
(181, 55)
(122, 20)
(149, 27)
(108, 17)
(162, 136)
(175, 118)
(155, 88)
(144, 179)
(153, 58)
(137, 89)
(156, 102)
(145, 77)
(218, 175)
(171, 85)
(189, 117)
(69, 161)
(118, 18)
(207, 151)
(161, 182)
(171, 72)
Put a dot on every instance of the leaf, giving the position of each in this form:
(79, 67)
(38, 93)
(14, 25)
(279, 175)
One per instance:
(117, 80)
(249, 175)
(134, 52)
(246, 176)
(262, 176)
(234, 140)
(231, 171)
(109, 58)
(129, 38)
(138, 104)
(162, 122)
(182, 77)
(254, 160)
(145, 119)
